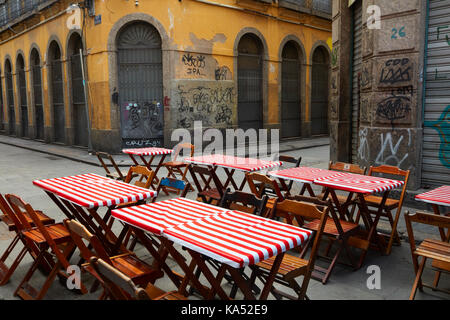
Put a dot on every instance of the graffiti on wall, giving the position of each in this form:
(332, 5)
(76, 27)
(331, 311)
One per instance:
(396, 71)
(390, 152)
(194, 65)
(442, 126)
(212, 105)
(397, 106)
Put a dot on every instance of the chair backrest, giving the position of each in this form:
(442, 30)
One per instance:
(117, 285)
(264, 185)
(180, 147)
(290, 159)
(78, 233)
(11, 215)
(141, 175)
(306, 211)
(395, 172)
(243, 201)
(347, 167)
(205, 179)
(102, 156)
(183, 186)
(440, 221)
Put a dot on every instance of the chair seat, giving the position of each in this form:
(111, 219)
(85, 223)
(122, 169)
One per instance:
(290, 267)
(434, 249)
(57, 232)
(376, 200)
(12, 227)
(175, 164)
(156, 293)
(330, 226)
(211, 193)
(137, 270)
(116, 175)
(341, 198)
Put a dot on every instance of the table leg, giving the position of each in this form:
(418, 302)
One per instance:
(230, 179)
(133, 159)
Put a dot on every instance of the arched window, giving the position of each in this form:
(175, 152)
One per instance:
(57, 92)
(36, 76)
(250, 82)
(319, 91)
(290, 91)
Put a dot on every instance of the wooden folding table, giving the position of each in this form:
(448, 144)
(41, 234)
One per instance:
(233, 238)
(361, 185)
(151, 152)
(80, 197)
(231, 163)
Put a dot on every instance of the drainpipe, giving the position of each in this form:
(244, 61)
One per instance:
(350, 115)
(425, 60)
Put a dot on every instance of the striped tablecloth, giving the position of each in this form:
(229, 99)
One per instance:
(93, 191)
(147, 151)
(303, 174)
(232, 237)
(158, 216)
(358, 183)
(244, 164)
(439, 196)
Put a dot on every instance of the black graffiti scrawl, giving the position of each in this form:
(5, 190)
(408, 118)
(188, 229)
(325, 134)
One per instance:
(396, 71)
(397, 106)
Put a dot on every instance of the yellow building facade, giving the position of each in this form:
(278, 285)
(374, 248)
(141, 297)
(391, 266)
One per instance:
(152, 66)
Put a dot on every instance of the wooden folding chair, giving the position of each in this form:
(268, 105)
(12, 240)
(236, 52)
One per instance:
(438, 251)
(336, 230)
(52, 240)
(374, 201)
(175, 166)
(286, 187)
(128, 263)
(293, 266)
(246, 202)
(344, 200)
(261, 184)
(117, 174)
(13, 223)
(119, 286)
(181, 186)
(209, 187)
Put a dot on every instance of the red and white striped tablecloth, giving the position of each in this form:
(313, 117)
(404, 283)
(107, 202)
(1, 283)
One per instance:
(147, 151)
(303, 174)
(91, 190)
(236, 238)
(439, 196)
(358, 183)
(244, 164)
(158, 216)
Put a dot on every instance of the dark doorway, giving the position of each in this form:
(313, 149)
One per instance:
(35, 62)
(10, 98)
(290, 91)
(23, 103)
(250, 82)
(57, 92)
(319, 92)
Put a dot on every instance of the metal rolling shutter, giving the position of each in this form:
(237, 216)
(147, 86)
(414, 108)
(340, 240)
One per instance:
(356, 69)
(436, 149)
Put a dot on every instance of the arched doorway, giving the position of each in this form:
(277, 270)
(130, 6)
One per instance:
(140, 81)
(23, 103)
(36, 76)
(79, 118)
(10, 98)
(250, 82)
(319, 91)
(290, 91)
(2, 111)
(57, 91)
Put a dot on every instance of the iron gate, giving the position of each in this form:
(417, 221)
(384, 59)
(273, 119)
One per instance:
(22, 84)
(37, 94)
(140, 85)
(319, 95)
(290, 93)
(78, 102)
(59, 122)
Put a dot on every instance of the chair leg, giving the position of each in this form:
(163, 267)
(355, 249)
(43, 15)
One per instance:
(394, 234)
(20, 291)
(5, 271)
(417, 281)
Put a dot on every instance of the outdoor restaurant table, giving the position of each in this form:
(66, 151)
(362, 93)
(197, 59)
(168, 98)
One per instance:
(305, 175)
(437, 197)
(151, 152)
(79, 197)
(233, 238)
(361, 185)
(231, 163)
